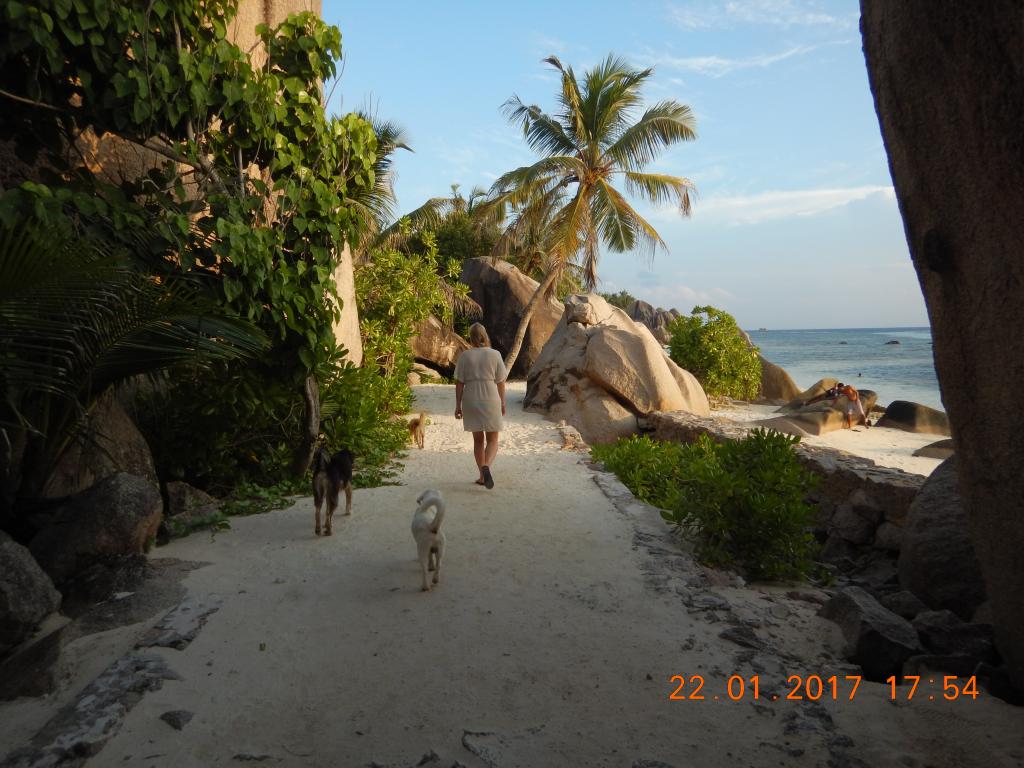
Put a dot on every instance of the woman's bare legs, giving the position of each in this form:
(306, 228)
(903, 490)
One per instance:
(491, 450)
(478, 454)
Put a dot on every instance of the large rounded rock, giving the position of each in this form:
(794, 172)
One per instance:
(937, 561)
(109, 443)
(117, 516)
(940, 449)
(503, 292)
(776, 385)
(600, 370)
(27, 595)
(437, 345)
(914, 417)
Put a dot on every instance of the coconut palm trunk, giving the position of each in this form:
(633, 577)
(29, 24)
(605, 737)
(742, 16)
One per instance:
(524, 321)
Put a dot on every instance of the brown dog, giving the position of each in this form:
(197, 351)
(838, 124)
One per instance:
(417, 428)
(331, 475)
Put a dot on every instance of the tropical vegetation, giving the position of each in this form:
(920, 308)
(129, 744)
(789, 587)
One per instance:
(743, 502)
(709, 344)
(233, 221)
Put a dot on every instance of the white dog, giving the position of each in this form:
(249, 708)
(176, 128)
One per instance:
(426, 529)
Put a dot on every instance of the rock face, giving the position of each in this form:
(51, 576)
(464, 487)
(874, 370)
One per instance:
(503, 292)
(776, 384)
(27, 595)
(914, 417)
(937, 560)
(959, 243)
(184, 500)
(346, 330)
(656, 319)
(117, 516)
(600, 370)
(876, 638)
(110, 443)
(437, 346)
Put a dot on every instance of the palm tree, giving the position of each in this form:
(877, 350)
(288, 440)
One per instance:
(593, 140)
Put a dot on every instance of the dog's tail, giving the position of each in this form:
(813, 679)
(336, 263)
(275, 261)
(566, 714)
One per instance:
(438, 515)
(423, 418)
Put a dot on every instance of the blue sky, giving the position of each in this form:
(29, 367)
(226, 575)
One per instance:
(796, 224)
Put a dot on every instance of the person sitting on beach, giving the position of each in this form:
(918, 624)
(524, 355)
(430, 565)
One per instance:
(853, 404)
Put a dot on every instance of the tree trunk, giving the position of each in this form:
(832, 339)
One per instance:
(948, 82)
(524, 321)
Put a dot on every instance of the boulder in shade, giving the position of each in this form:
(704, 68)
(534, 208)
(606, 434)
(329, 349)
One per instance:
(437, 346)
(776, 385)
(110, 443)
(937, 560)
(876, 638)
(503, 292)
(27, 595)
(117, 516)
(940, 449)
(914, 417)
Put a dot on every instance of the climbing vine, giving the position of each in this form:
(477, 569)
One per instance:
(244, 179)
(144, 124)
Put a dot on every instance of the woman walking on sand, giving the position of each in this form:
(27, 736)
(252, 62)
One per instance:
(480, 398)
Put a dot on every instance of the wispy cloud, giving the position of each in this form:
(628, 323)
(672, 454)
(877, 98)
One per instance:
(710, 14)
(662, 292)
(719, 66)
(768, 206)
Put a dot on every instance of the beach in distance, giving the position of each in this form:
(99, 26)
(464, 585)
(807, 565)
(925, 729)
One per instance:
(863, 357)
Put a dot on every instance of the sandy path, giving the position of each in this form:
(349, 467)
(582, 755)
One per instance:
(550, 641)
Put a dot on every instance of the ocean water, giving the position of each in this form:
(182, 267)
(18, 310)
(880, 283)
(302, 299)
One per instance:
(858, 356)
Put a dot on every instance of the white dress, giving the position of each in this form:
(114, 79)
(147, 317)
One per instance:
(480, 369)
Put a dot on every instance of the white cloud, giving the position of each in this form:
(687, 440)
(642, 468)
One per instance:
(718, 66)
(709, 14)
(683, 297)
(768, 206)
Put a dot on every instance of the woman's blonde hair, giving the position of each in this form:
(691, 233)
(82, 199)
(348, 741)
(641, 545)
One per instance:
(478, 336)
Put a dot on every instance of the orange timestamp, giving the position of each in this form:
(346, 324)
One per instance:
(818, 687)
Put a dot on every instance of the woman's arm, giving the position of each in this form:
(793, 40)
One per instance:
(501, 394)
(459, 386)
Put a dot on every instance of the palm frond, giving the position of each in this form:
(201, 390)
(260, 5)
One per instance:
(662, 125)
(543, 133)
(662, 188)
(75, 319)
(571, 100)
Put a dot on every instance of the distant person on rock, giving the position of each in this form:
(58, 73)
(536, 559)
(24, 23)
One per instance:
(480, 398)
(853, 403)
(832, 393)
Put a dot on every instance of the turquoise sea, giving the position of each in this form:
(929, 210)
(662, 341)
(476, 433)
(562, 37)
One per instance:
(858, 356)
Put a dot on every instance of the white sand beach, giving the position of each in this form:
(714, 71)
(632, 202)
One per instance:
(551, 641)
(885, 446)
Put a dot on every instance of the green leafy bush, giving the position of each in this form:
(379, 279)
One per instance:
(650, 469)
(743, 502)
(710, 345)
